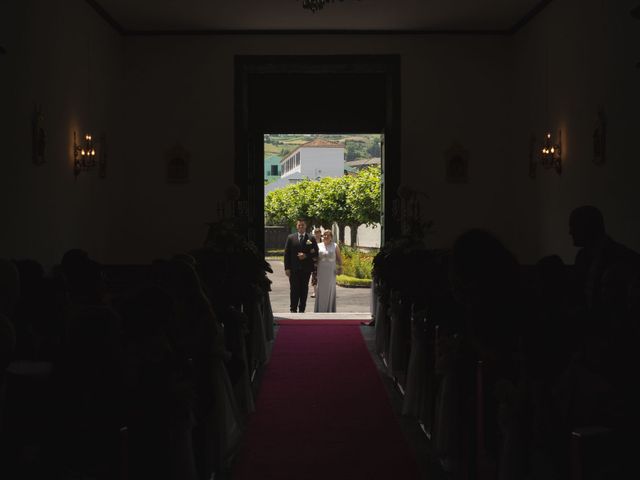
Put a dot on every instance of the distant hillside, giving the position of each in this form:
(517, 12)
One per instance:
(357, 147)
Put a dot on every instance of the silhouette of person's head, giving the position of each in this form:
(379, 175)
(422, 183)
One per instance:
(73, 257)
(482, 267)
(586, 226)
(84, 277)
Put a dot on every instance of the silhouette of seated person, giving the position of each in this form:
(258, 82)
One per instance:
(549, 346)
(550, 338)
(594, 389)
(84, 278)
(485, 278)
(605, 269)
(603, 266)
(199, 338)
(91, 370)
(39, 315)
(160, 392)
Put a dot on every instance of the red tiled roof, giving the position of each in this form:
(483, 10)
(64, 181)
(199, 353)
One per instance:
(319, 143)
(315, 143)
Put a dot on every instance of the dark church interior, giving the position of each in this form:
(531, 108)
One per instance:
(137, 337)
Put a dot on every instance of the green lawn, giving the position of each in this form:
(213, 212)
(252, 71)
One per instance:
(352, 282)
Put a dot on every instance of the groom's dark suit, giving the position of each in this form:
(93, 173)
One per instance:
(300, 269)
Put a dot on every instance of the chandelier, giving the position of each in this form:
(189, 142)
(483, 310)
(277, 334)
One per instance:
(315, 5)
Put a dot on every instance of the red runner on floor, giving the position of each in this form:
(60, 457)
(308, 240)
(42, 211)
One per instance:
(323, 413)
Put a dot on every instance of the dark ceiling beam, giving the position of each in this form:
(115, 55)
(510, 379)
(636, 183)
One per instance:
(509, 31)
(105, 15)
(531, 14)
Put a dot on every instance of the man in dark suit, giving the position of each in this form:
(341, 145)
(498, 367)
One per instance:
(299, 254)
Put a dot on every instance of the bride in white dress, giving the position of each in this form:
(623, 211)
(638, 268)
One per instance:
(329, 264)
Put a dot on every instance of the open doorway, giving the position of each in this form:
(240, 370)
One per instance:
(333, 181)
(348, 94)
(315, 93)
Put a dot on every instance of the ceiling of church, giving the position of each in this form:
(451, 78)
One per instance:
(402, 15)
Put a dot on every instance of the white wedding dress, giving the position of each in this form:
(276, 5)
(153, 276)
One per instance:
(326, 289)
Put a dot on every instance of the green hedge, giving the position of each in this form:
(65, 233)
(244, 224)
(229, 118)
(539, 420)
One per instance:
(347, 281)
(355, 263)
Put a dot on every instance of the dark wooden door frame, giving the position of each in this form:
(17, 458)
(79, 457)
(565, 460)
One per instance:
(249, 131)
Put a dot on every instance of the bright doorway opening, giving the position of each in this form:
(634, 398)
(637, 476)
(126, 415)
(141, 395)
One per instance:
(335, 182)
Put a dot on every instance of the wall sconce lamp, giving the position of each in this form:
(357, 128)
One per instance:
(85, 157)
(551, 153)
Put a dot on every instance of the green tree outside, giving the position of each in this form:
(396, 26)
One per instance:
(351, 200)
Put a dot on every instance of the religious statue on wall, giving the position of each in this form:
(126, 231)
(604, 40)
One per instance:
(38, 136)
(600, 139)
(457, 164)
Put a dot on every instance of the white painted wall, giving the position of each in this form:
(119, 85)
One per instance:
(321, 162)
(43, 210)
(179, 89)
(368, 237)
(592, 48)
(315, 163)
(484, 92)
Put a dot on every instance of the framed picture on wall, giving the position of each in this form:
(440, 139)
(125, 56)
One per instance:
(177, 165)
(457, 164)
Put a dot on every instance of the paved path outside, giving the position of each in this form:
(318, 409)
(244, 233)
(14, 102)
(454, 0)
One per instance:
(349, 300)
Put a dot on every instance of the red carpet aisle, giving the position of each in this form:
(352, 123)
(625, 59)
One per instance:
(322, 413)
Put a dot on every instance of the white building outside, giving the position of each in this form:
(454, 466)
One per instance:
(315, 160)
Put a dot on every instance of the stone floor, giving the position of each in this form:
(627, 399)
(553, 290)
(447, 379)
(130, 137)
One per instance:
(349, 300)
